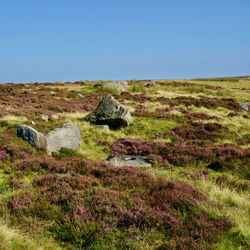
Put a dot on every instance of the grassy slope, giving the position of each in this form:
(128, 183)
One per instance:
(234, 201)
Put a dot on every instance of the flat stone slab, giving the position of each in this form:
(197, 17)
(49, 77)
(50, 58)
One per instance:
(130, 160)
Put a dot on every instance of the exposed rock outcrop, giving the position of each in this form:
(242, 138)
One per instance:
(130, 160)
(110, 112)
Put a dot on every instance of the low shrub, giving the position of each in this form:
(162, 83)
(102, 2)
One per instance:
(87, 201)
(195, 153)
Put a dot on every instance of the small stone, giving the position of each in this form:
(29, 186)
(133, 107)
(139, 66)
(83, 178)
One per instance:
(103, 127)
(79, 95)
(54, 117)
(130, 160)
(45, 117)
(244, 105)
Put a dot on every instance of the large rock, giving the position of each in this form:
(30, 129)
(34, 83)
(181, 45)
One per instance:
(119, 85)
(31, 135)
(130, 160)
(66, 137)
(110, 112)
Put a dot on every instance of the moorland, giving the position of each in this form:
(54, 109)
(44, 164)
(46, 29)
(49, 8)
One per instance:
(195, 133)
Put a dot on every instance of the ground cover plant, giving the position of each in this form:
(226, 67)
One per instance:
(195, 134)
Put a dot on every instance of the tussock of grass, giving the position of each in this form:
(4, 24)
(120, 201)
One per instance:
(12, 239)
(13, 119)
(136, 88)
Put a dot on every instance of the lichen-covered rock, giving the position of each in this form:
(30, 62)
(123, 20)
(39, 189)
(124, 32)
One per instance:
(130, 160)
(119, 85)
(110, 112)
(31, 135)
(66, 137)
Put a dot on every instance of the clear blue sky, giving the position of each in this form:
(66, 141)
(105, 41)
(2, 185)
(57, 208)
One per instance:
(69, 40)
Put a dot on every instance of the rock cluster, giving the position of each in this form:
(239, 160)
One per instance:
(66, 137)
(110, 112)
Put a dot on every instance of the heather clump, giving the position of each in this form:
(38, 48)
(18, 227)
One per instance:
(210, 103)
(40, 99)
(193, 153)
(197, 131)
(198, 115)
(18, 152)
(87, 201)
(3, 155)
(232, 184)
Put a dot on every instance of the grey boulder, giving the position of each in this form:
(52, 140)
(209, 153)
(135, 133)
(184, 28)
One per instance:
(110, 112)
(118, 85)
(130, 160)
(31, 135)
(66, 137)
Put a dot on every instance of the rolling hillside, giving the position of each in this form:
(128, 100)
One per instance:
(195, 134)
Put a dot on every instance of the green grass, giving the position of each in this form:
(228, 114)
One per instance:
(13, 239)
(136, 88)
